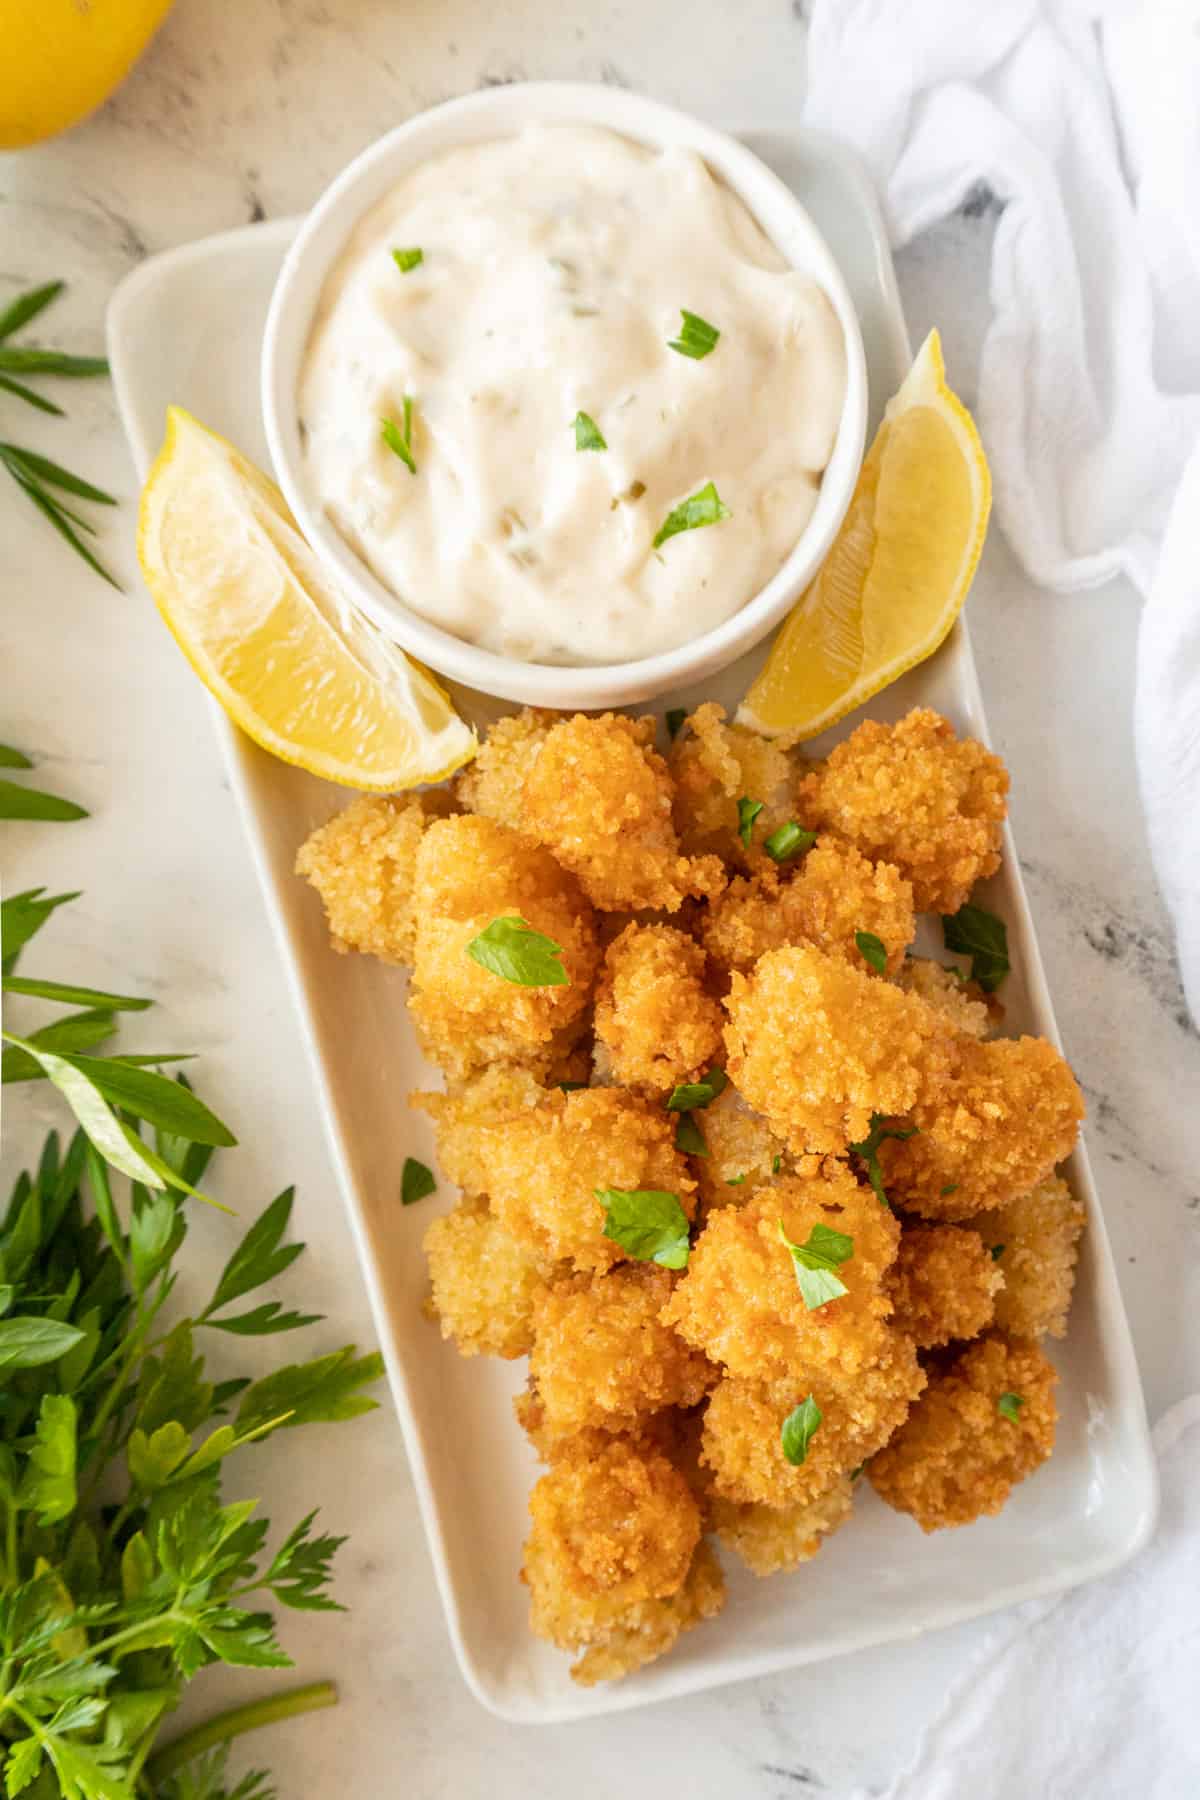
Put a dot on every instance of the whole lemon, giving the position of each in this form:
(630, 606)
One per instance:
(62, 58)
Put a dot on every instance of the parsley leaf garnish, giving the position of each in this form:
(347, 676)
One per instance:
(979, 934)
(675, 717)
(398, 438)
(690, 1094)
(872, 950)
(735, 1180)
(1009, 1406)
(416, 1182)
(789, 840)
(407, 260)
(516, 952)
(814, 1262)
(588, 435)
(697, 338)
(704, 507)
(689, 1137)
(868, 1151)
(748, 811)
(799, 1429)
(649, 1225)
(997, 1251)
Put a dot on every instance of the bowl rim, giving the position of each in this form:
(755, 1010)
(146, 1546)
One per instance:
(475, 118)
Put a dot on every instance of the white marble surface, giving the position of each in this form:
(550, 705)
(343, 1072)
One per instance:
(240, 113)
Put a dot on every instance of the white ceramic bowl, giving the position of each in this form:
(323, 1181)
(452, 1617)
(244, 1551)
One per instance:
(500, 112)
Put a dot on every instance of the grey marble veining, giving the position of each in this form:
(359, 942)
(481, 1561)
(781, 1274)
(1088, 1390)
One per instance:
(244, 113)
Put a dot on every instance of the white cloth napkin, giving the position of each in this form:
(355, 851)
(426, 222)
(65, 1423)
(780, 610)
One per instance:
(1091, 1696)
(1084, 120)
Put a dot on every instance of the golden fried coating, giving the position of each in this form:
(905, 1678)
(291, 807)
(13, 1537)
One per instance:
(465, 1114)
(740, 1301)
(1009, 1112)
(743, 1152)
(484, 1282)
(470, 871)
(362, 864)
(601, 1355)
(612, 1529)
(958, 1456)
(714, 765)
(494, 783)
(771, 1539)
(817, 1047)
(652, 1627)
(544, 1166)
(962, 1003)
(915, 795)
(1036, 1237)
(743, 1422)
(653, 1013)
(825, 899)
(599, 796)
(944, 1284)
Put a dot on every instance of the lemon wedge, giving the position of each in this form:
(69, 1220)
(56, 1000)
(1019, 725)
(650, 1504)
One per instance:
(898, 571)
(293, 665)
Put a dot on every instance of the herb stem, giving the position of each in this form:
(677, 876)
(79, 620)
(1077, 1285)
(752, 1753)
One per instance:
(236, 1720)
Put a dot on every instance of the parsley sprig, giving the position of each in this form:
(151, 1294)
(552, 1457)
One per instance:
(867, 1151)
(815, 1262)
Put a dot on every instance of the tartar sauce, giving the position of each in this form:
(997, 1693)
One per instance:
(496, 420)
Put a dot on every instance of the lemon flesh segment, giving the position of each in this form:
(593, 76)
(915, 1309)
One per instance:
(898, 571)
(292, 663)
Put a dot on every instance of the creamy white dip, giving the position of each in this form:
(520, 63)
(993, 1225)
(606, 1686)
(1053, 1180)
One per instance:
(555, 268)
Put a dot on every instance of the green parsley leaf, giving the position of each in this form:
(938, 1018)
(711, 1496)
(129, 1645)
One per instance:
(799, 1429)
(416, 1182)
(516, 952)
(571, 1087)
(675, 716)
(814, 1262)
(407, 260)
(689, 1137)
(856, 1472)
(322, 1391)
(398, 438)
(13, 759)
(748, 811)
(997, 1251)
(49, 1484)
(704, 507)
(17, 802)
(776, 1164)
(692, 1094)
(736, 1180)
(1009, 1406)
(789, 840)
(697, 338)
(951, 1187)
(259, 1258)
(872, 950)
(649, 1225)
(27, 1343)
(868, 1151)
(588, 435)
(979, 934)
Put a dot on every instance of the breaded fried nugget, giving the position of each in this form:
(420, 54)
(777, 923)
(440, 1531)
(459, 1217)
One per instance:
(740, 1301)
(959, 1002)
(818, 1047)
(653, 1012)
(1009, 1112)
(944, 1284)
(494, 783)
(652, 1627)
(613, 1529)
(770, 1539)
(714, 765)
(826, 899)
(743, 1152)
(1035, 1239)
(743, 1423)
(599, 796)
(959, 1456)
(915, 795)
(470, 871)
(484, 1282)
(602, 1356)
(468, 1110)
(362, 864)
(545, 1166)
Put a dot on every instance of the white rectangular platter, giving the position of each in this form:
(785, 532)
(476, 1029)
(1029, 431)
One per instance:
(186, 328)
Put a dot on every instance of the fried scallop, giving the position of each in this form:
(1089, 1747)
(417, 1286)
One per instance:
(654, 1014)
(714, 765)
(818, 1047)
(916, 795)
(983, 1425)
(494, 783)
(1035, 1240)
(1009, 1112)
(484, 1283)
(602, 1356)
(650, 1628)
(961, 1003)
(546, 1165)
(362, 863)
(944, 1284)
(774, 1539)
(741, 1152)
(469, 872)
(827, 898)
